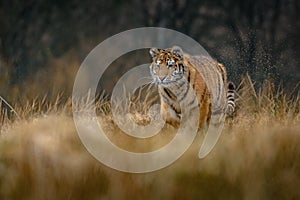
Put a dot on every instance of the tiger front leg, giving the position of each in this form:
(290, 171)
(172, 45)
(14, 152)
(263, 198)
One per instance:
(170, 115)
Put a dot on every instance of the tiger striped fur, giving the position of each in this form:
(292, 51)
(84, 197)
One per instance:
(230, 98)
(180, 75)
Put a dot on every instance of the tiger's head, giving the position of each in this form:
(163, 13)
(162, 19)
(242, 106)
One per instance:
(167, 65)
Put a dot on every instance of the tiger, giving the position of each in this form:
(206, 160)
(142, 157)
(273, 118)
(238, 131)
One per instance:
(181, 78)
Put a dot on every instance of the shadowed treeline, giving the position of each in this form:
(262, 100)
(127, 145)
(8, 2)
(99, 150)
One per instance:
(43, 40)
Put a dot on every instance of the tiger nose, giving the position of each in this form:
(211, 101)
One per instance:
(161, 78)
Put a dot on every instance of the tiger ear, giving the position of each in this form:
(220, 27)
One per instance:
(177, 51)
(153, 52)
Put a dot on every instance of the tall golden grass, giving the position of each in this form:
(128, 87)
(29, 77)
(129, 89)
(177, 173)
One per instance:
(256, 157)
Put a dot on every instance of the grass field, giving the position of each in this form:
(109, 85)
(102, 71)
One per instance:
(256, 157)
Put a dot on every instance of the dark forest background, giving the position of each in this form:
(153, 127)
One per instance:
(43, 42)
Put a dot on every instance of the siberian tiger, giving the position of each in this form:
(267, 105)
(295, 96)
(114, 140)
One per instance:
(180, 75)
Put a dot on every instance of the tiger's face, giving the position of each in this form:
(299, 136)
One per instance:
(167, 65)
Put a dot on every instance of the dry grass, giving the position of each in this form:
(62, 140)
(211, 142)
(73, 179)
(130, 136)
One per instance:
(257, 156)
